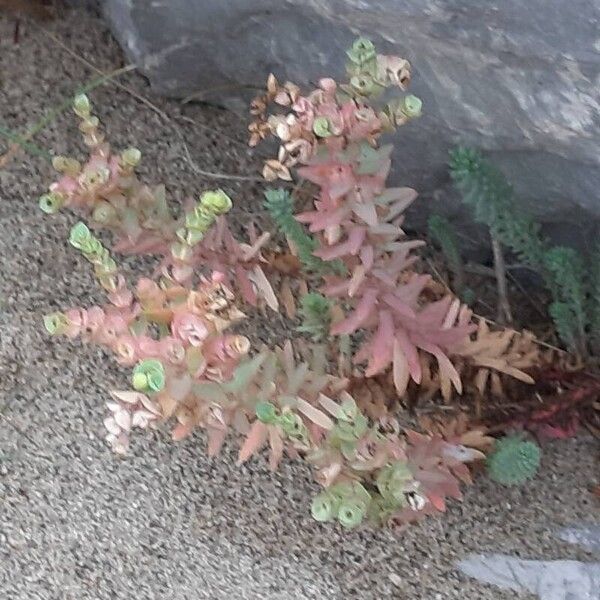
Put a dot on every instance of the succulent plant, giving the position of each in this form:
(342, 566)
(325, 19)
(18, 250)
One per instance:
(513, 461)
(172, 329)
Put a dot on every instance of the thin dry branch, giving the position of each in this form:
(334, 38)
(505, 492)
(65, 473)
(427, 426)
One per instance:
(168, 119)
(504, 312)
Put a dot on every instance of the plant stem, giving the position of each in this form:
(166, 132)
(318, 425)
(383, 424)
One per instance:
(21, 141)
(504, 312)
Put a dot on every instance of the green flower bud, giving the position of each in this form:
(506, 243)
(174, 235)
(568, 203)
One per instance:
(82, 106)
(362, 51)
(51, 203)
(363, 84)
(67, 165)
(291, 424)
(80, 236)
(394, 481)
(351, 514)
(216, 202)
(92, 178)
(321, 127)
(104, 213)
(149, 376)
(411, 106)
(131, 157)
(324, 507)
(55, 323)
(139, 381)
(266, 412)
(199, 219)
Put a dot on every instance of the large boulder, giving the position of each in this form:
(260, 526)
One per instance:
(521, 80)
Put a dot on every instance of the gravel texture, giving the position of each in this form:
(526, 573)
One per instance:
(166, 522)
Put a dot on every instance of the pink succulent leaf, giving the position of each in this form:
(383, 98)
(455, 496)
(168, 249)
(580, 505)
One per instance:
(335, 180)
(189, 328)
(264, 287)
(147, 347)
(434, 314)
(381, 345)
(251, 251)
(216, 437)
(276, 445)
(462, 472)
(145, 243)
(245, 285)
(142, 418)
(389, 196)
(367, 256)
(111, 426)
(127, 396)
(318, 220)
(446, 368)
(336, 287)
(411, 291)
(257, 436)
(454, 454)
(181, 431)
(400, 372)
(366, 212)
(123, 419)
(172, 350)
(439, 482)
(452, 314)
(314, 414)
(122, 296)
(350, 246)
(400, 307)
(437, 501)
(363, 311)
(410, 352)
(358, 276)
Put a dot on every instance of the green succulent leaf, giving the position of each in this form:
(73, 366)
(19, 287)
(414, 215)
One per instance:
(322, 127)
(56, 323)
(80, 236)
(266, 412)
(149, 376)
(412, 106)
(324, 507)
(216, 202)
(51, 203)
(351, 514)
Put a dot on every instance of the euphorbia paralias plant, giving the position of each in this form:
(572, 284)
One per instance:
(174, 327)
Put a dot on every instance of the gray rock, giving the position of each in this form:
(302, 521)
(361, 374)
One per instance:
(586, 536)
(518, 79)
(550, 580)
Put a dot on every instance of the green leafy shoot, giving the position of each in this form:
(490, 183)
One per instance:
(279, 203)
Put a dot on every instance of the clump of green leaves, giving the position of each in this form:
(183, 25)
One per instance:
(575, 307)
(315, 312)
(486, 191)
(513, 461)
(280, 206)
(347, 501)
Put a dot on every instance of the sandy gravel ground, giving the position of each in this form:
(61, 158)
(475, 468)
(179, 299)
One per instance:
(166, 522)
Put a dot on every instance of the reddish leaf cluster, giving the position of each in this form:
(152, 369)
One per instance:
(332, 135)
